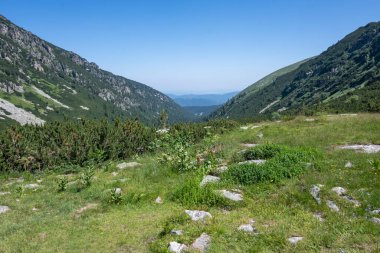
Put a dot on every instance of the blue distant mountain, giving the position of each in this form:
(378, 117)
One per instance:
(202, 100)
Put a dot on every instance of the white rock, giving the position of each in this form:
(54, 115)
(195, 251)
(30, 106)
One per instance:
(246, 228)
(202, 243)
(249, 145)
(295, 239)
(177, 247)
(117, 190)
(314, 191)
(332, 206)
(348, 165)
(231, 195)
(84, 108)
(158, 200)
(258, 162)
(125, 165)
(260, 135)
(377, 211)
(4, 209)
(339, 190)
(375, 220)
(244, 127)
(176, 232)
(4, 193)
(31, 186)
(196, 215)
(163, 131)
(309, 120)
(114, 174)
(209, 179)
(369, 149)
(221, 169)
(34, 209)
(318, 216)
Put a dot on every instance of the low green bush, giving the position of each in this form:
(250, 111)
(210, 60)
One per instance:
(266, 151)
(192, 195)
(283, 163)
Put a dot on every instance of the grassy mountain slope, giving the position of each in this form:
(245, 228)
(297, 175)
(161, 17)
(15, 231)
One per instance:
(346, 77)
(44, 81)
(91, 219)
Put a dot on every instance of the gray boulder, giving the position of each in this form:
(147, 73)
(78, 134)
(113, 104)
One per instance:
(202, 243)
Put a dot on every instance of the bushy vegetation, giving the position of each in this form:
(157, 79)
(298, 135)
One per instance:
(283, 162)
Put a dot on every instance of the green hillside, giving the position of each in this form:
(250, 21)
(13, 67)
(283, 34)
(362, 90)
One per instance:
(344, 78)
(41, 82)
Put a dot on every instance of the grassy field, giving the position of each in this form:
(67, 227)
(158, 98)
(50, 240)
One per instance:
(48, 220)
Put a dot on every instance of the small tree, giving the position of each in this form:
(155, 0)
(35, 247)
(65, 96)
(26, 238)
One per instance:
(164, 118)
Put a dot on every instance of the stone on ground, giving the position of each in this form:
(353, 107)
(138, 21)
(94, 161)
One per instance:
(339, 190)
(4, 209)
(176, 247)
(244, 127)
(114, 174)
(249, 145)
(209, 179)
(315, 192)
(369, 148)
(332, 206)
(126, 165)
(258, 162)
(309, 120)
(342, 193)
(196, 215)
(377, 211)
(295, 239)
(31, 186)
(176, 232)
(260, 135)
(318, 216)
(375, 220)
(221, 169)
(202, 243)
(348, 165)
(117, 190)
(230, 195)
(247, 228)
(4, 193)
(158, 200)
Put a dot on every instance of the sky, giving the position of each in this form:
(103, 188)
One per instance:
(194, 46)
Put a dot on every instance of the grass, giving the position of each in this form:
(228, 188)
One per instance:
(137, 224)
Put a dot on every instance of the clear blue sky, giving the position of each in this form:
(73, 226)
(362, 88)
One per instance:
(196, 45)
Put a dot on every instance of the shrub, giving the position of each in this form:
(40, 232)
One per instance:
(192, 195)
(287, 163)
(115, 196)
(62, 183)
(266, 151)
(86, 176)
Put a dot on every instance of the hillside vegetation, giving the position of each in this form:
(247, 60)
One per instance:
(283, 186)
(344, 78)
(42, 82)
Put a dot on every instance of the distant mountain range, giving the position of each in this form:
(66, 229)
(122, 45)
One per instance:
(344, 78)
(41, 82)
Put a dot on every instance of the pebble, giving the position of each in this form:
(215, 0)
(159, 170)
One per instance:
(125, 165)
(177, 247)
(209, 179)
(4, 209)
(295, 239)
(196, 215)
(258, 162)
(315, 192)
(332, 206)
(348, 165)
(158, 200)
(230, 195)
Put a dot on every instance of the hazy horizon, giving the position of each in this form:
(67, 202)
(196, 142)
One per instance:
(197, 47)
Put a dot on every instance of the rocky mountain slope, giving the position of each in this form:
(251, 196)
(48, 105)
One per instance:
(40, 82)
(344, 78)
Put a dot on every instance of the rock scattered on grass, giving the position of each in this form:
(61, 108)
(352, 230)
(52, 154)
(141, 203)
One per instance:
(258, 162)
(247, 228)
(114, 174)
(197, 215)
(375, 220)
(348, 165)
(249, 145)
(163, 131)
(176, 232)
(176, 247)
(295, 239)
(230, 195)
(202, 243)
(309, 120)
(85, 208)
(315, 192)
(244, 127)
(34, 209)
(342, 193)
(260, 135)
(221, 169)
(4, 193)
(4, 209)
(209, 179)
(158, 200)
(332, 206)
(318, 216)
(376, 211)
(126, 165)
(118, 191)
(369, 148)
(31, 186)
